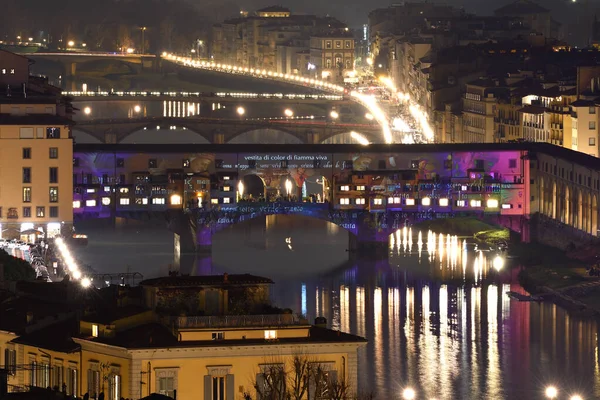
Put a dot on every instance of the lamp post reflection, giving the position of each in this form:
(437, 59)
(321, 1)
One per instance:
(240, 190)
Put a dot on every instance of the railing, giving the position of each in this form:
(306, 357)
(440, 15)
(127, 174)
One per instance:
(266, 320)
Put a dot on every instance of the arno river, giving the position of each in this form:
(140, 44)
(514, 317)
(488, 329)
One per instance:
(438, 320)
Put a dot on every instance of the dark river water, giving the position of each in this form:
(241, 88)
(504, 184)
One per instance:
(436, 313)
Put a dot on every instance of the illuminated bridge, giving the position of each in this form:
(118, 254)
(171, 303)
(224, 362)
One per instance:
(70, 60)
(220, 131)
(540, 191)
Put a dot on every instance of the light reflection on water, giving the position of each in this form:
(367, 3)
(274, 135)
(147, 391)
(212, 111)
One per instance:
(435, 313)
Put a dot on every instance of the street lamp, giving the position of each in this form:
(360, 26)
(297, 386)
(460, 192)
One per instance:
(369, 116)
(241, 111)
(143, 48)
(288, 186)
(408, 394)
(71, 43)
(87, 111)
(137, 109)
(334, 114)
(551, 392)
(288, 112)
(576, 397)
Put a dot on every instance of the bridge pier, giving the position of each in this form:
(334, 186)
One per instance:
(218, 138)
(312, 138)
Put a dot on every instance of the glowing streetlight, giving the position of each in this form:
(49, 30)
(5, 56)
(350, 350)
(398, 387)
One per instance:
(334, 114)
(576, 397)
(408, 394)
(288, 112)
(498, 263)
(288, 186)
(30, 39)
(137, 109)
(71, 43)
(551, 392)
(241, 111)
(87, 111)
(86, 282)
(369, 116)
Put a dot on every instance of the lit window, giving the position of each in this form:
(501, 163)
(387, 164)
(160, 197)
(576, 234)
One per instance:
(226, 188)
(360, 201)
(492, 203)
(94, 330)
(410, 202)
(218, 335)
(360, 187)
(90, 191)
(123, 190)
(214, 201)
(460, 203)
(176, 200)
(107, 188)
(226, 178)
(344, 201)
(270, 335)
(106, 201)
(123, 202)
(76, 204)
(226, 200)
(443, 202)
(3, 71)
(394, 200)
(344, 188)
(90, 203)
(464, 188)
(426, 201)
(475, 203)
(506, 206)
(377, 202)
(158, 200)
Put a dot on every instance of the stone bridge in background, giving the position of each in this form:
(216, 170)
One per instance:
(221, 131)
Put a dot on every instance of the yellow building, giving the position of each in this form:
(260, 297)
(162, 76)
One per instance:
(332, 55)
(36, 154)
(131, 351)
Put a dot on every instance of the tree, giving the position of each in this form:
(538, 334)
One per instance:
(16, 269)
(278, 381)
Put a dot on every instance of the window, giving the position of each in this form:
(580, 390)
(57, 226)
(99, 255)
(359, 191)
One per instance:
(53, 212)
(492, 203)
(166, 386)
(475, 203)
(152, 163)
(105, 201)
(26, 195)
(124, 190)
(72, 380)
(76, 204)
(124, 202)
(592, 141)
(409, 202)
(460, 203)
(114, 387)
(158, 200)
(93, 383)
(344, 188)
(394, 200)
(40, 211)
(186, 163)
(10, 360)
(512, 163)
(57, 376)
(214, 201)
(26, 133)
(377, 202)
(226, 188)
(94, 330)
(26, 153)
(53, 152)
(328, 44)
(26, 174)
(33, 373)
(344, 201)
(360, 187)
(328, 63)
(270, 334)
(53, 174)
(592, 110)
(443, 202)
(338, 44)
(44, 376)
(226, 200)
(426, 201)
(52, 133)
(218, 389)
(26, 212)
(39, 133)
(53, 195)
(359, 200)
(592, 125)
(348, 44)
(218, 335)
(90, 203)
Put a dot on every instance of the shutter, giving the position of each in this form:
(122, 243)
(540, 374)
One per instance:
(333, 378)
(260, 386)
(90, 382)
(312, 387)
(230, 391)
(207, 387)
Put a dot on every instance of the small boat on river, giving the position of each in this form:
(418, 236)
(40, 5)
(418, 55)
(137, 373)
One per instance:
(523, 297)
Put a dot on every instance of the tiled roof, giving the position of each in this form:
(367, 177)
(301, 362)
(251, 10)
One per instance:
(55, 337)
(206, 280)
(520, 7)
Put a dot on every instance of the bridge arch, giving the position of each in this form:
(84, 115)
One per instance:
(567, 205)
(164, 127)
(579, 205)
(267, 136)
(154, 136)
(594, 230)
(554, 199)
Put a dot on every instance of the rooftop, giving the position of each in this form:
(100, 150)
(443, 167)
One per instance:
(111, 314)
(55, 337)
(206, 280)
(273, 9)
(34, 119)
(520, 7)
(530, 109)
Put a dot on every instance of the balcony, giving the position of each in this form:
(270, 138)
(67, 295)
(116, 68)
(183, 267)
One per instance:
(234, 321)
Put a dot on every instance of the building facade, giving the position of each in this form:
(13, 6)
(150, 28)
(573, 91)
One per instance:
(36, 153)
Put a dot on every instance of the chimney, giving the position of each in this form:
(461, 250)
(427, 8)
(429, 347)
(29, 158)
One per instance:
(321, 322)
